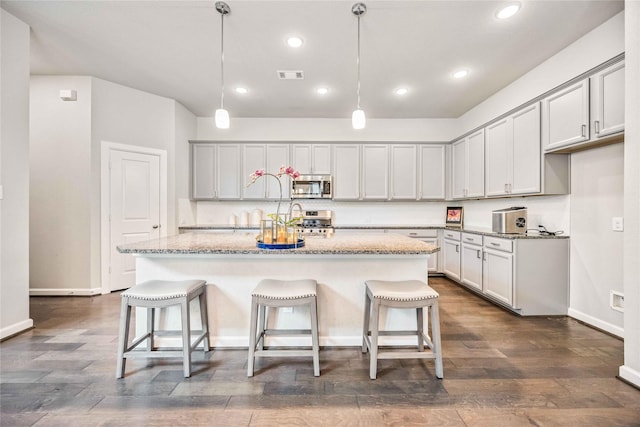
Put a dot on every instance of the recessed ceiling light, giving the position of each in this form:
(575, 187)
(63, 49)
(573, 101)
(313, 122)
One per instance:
(401, 91)
(508, 11)
(460, 74)
(242, 90)
(322, 91)
(294, 41)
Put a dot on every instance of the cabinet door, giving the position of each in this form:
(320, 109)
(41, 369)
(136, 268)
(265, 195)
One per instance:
(607, 101)
(433, 258)
(498, 152)
(403, 172)
(458, 169)
(375, 172)
(471, 266)
(431, 172)
(301, 158)
(277, 156)
(254, 157)
(497, 275)
(525, 153)
(565, 116)
(203, 166)
(451, 261)
(228, 171)
(475, 164)
(346, 172)
(321, 159)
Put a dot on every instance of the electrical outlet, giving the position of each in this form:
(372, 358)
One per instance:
(616, 300)
(617, 223)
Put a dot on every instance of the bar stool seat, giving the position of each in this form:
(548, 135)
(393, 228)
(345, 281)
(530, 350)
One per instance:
(282, 293)
(155, 294)
(411, 294)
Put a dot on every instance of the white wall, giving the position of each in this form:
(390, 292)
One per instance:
(631, 369)
(60, 187)
(14, 176)
(596, 267)
(185, 129)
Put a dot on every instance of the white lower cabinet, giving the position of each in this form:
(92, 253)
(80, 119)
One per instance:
(471, 260)
(427, 236)
(451, 254)
(529, 276)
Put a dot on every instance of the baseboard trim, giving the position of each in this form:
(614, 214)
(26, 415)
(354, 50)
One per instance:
(596, 323)
(629, 375)
(16, 328)
(43, 292)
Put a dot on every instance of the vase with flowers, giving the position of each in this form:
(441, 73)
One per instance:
(279, 232)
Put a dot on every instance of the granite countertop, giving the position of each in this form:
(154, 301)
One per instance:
(245, 243)
(473, 230)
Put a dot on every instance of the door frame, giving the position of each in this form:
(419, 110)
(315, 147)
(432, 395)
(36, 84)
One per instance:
(106, 147)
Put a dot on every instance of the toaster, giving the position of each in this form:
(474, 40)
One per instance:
(510, 220)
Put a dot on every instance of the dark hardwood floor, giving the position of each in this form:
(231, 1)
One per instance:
(500, 370)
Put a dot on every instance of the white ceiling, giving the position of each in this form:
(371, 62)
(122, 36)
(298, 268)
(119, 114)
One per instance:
(172, 49)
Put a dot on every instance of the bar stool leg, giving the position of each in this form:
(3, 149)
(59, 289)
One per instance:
(252, 336)
(151, 328)
(420, 320)
(435, 338)
(262, 325)
(204, 315)
(367, 316)
(373, 364)
(313, 309)
(123, 343)
(186, 337)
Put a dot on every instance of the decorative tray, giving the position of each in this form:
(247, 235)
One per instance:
(263, 245)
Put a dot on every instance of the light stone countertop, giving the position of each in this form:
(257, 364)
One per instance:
(245, 243)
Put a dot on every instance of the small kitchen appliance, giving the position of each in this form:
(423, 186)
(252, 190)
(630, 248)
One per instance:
(510, 220)
(312, 187)
(316, 223)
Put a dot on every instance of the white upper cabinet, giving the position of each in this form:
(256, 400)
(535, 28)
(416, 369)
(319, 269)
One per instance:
(512, 154)
(431, 172)
(203, 162)
(404, 172)
(278, 156)
(607, 101)
(565, 116)
(228, 162)
(375, 172)
(467, 166)
(254, 157)
(311, 158)
(346, 172)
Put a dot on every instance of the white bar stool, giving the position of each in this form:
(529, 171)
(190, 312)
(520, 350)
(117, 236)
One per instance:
(412, 294)
(282, 293)
(155, 294)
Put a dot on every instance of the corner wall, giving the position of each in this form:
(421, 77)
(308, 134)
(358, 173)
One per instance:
(14, 176)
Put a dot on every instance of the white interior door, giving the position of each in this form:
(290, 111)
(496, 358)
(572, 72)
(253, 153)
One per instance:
(134, 209)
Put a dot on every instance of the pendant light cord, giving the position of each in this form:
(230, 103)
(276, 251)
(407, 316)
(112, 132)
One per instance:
(222, 61)
(358, 64)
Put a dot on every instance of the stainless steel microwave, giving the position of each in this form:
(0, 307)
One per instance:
(312, 187)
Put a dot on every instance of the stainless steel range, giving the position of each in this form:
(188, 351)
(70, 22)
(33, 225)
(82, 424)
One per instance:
(316, 223)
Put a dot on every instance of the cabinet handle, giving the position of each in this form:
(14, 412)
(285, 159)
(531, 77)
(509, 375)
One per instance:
(458, 248)
(484, 258)
(478, 253)
(596, 126)
(469, 239)
(584, 131)
(506, 188)
(494, 244)
(155, 226)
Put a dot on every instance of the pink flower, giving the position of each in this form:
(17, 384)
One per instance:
(289, 171)
(295, 174)
(259, 172)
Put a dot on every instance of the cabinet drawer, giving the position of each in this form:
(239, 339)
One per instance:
(451, 235)
(472, 239)
(417, 233)
(498, 244)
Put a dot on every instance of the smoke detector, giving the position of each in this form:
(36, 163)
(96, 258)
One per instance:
(290, 75)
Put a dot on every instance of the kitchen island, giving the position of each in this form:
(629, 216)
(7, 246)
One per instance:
(232, 265)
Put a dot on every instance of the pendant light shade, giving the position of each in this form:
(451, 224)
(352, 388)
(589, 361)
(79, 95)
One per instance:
(222, 115)
(358, 119)
(222, 118)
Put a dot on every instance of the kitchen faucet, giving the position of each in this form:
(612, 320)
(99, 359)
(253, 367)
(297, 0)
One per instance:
(291, 206)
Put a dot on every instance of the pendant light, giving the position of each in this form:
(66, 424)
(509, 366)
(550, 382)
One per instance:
(358, 119)
(222, 115)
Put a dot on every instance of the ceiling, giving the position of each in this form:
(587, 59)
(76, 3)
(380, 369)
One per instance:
(172, 49)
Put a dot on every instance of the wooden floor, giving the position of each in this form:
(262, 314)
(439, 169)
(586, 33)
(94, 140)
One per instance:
(500, 370)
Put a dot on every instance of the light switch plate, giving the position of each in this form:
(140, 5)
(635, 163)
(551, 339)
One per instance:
(617, 223)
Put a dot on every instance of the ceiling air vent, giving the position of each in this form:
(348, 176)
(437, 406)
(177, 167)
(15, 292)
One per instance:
(290, 75)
